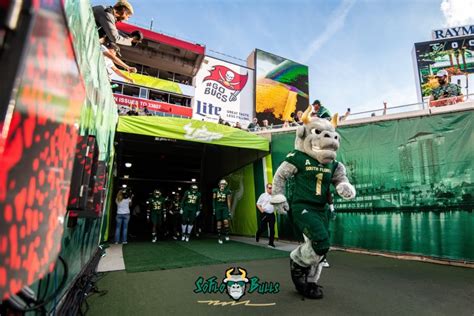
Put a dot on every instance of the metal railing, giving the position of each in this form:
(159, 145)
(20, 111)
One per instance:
(405, 108)
(379, 112)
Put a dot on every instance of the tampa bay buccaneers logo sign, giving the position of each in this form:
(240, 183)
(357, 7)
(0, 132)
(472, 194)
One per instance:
(224, 83)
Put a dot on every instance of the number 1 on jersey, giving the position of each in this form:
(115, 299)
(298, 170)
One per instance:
(319, 182)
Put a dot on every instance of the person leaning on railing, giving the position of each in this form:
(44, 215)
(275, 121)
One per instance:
(107, 17)
(254, 126)
(112, 49)
(447, 93)
(320, 111)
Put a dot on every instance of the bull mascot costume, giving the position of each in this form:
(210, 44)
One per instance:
(312, 168)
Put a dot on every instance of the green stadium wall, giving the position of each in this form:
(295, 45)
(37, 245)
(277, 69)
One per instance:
(414, 180)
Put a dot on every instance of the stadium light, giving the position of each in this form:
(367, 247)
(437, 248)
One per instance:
(126, 176)
(193, 180)
(124, 185)
(128, 164)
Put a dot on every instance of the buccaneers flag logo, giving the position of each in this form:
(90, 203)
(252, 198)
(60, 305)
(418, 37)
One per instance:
(228, 78)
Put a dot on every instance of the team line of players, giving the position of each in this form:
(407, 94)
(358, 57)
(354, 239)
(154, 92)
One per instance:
(190, 207)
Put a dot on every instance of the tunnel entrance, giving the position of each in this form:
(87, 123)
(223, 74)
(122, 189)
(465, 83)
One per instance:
(170, 154)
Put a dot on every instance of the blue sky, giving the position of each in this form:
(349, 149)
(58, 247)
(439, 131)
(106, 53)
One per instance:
(358, 51)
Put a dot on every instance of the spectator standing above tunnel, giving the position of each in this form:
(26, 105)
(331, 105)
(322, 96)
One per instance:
(320, 111)
(254, 126)
(445, 90)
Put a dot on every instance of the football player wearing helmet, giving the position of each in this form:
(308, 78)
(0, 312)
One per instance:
(189, 209)
(156, 207)
(221, 201)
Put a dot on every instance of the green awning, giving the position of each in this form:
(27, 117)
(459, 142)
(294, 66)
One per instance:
(191, 130)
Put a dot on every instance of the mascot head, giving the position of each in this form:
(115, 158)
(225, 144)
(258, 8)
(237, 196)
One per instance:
(317, 138)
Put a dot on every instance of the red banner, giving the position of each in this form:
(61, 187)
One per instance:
(151, 105)
(227, 77)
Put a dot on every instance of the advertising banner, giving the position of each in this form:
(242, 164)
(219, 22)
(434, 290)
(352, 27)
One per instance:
(191, 130)
(126, 103)
(156, 83)
(281, 88)
(224, 91)
(455, 55)
(452, 32)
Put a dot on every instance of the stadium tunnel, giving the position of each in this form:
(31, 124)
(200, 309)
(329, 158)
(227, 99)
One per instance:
(171, 153)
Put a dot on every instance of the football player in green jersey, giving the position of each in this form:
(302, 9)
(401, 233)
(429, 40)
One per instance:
(190, 205)
(156, 207)
(221, 201)
(312, 168)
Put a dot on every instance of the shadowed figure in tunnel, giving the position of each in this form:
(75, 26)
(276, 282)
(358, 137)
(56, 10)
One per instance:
(312, 167)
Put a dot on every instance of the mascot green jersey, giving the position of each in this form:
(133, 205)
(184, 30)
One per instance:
(311, 168)
(313, 182)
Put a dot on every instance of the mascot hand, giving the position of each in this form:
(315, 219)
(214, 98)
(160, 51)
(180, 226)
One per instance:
(280, 204)
(346, 190)
(278, 199)
(283, 209)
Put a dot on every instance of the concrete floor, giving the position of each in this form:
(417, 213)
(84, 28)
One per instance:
(356, 284)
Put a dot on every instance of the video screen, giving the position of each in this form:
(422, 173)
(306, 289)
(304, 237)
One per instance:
(454, 55)
(281, 88)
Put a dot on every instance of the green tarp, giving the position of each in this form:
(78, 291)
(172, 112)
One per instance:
(191, 130)
(415, 185)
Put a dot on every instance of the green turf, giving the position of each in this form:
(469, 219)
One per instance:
(148, 256)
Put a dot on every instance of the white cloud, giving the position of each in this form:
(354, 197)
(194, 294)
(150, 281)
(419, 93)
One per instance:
(336, 22)
(458, 12)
